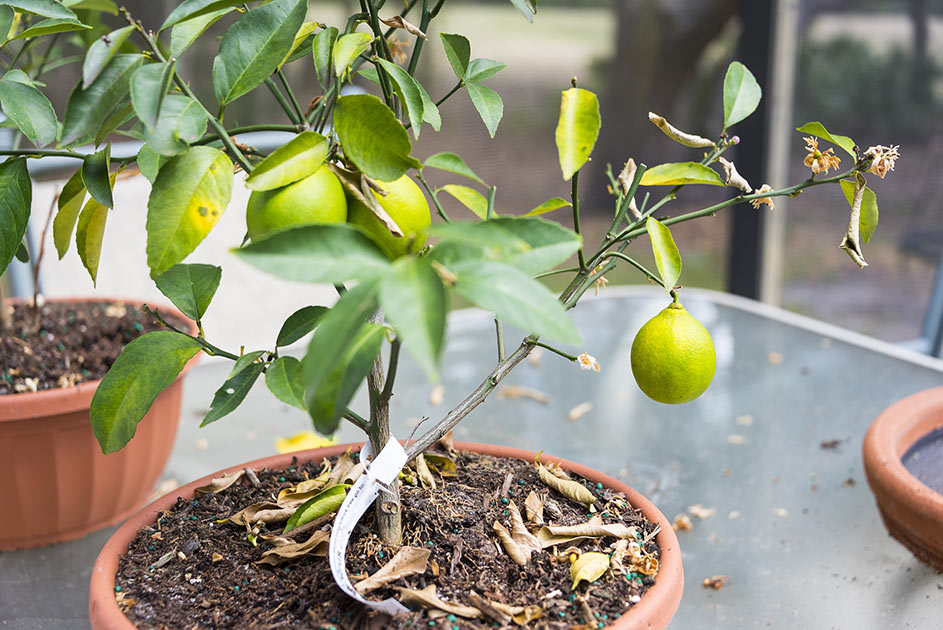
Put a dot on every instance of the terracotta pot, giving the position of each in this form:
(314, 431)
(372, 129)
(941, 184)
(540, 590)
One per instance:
(912, 512)
(656, 609)
(55, 482)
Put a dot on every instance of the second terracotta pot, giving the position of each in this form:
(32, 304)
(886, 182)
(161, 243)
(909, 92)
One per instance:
(653, 612)
(912, 511)
(55, 482)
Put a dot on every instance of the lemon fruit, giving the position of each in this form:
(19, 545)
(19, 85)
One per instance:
(406, 205)
(673, 358)
(318, 198)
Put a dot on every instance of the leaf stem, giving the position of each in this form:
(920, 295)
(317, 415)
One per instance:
(42, 152)
(634, 263)
(563, 354)
(499, 331)
(417, 47)
(299, 113)
(209, 348)
(355, 419)
(458, 86)
(387, 392)
(282, 101)
(575, 202)
(435, 200)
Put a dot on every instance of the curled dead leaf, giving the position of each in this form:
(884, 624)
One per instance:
(619, 550)
(594, 528)
(218, 484)
(285, 549)
(397, 21)
(567, 487)
(407, 561)
(426, 478)
(443, 465)
(427, 598)
(264, 512)
(519, 543)
(534, 506)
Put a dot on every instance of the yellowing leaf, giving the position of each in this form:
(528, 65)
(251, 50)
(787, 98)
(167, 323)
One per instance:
(445, 466)
(303, 441)
(589, 567)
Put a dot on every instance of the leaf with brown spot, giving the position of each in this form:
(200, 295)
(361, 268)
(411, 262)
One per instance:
(221, 483)
(427, 598)
(315, 545)
(550, 535)
(407, 561)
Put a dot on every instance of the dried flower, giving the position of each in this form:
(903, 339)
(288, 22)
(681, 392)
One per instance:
(398, 48)
(882, 159)
(756, 203)
(733, 177)
(588, 362)
(817, 160)
(600, 282)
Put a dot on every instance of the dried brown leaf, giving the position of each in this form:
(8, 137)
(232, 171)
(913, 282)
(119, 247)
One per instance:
(427, 598)
(447, 443)
(315, 545)
(519, 543)
(426, 478)
(264, 512)
(534, 506)
(594, 528)
(407, 561)
(520, 614)
(619, 549)
(221, 483)
(443, 465)
(567, 487)
(397, 21)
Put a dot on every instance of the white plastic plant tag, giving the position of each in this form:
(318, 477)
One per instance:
(381, 472)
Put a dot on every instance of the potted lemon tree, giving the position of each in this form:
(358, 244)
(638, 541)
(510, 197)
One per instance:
(345, 202)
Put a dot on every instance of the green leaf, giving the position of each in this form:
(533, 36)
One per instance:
(100, 52)
(336, 331)
(283, 378)
(493, 240)
(188, 197)
(30, 110)
(468, 197)
(548, 243)
(514, 297)
(190, 287)
(88, 108)
(22, 253)
(299, 324)
(299, 157)
(325, 502)
(742, 94)
(407, 89)
(89, 234)
(16, 194)
(667, 256)
(347, 48)
(253, 47)
(322, 48)
(548, 206)
(183, 34)
(7, 18)
(868, 220)
(182, 121)
(111, 124)
(481, 69)
(430, 112)
(149, 85)
(149, 161)
(103, 6)
(302, 43)
(818, 130)
(489, 105)
(70, 203)
(453, 164)
(45, 8)
(244, 374)
(96, 176)
(577, 129)
(145, 367)
(330, 395)
(372, 137)
(48, 27)
(414, 300)
(458, 52)
(675, 173)
(316, 253)
(528, 8)
(189, 9)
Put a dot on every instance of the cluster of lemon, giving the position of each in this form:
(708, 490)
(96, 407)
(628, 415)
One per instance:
(320, 198)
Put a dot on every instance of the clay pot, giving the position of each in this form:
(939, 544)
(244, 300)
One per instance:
(653, 612)
(55, 482)
(912, 512)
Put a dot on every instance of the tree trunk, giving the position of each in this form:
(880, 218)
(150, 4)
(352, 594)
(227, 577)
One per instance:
(388, 508)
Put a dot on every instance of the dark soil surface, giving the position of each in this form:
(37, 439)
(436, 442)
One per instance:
(69, 343)
(189, 570)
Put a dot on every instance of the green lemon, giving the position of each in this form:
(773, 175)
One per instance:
(673, 358)
(318, 198)
(406, 205)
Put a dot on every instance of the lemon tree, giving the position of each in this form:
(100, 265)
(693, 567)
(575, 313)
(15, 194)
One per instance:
(318, 198)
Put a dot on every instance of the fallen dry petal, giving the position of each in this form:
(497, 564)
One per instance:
(735, 438)
(716, 582)
(428, 599)
(221, 483)
(618, 553)
(519, 391)
(579, 411)
(437, 395)
(407, 561)
(682, 523)
(700, 511)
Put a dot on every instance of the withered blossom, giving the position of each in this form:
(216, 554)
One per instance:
(820, 161)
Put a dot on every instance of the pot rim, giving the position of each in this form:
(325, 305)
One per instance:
(657, 606)
(889, 437)
(26, 406)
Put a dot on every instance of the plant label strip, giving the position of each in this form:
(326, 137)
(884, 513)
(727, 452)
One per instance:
(381, 472)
